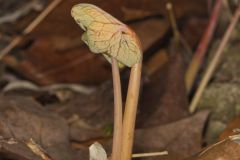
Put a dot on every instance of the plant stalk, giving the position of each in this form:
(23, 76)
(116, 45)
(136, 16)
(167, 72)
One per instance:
(130, 111)
(214, 62)
(117, 133)
(172, 19)
(197, 59)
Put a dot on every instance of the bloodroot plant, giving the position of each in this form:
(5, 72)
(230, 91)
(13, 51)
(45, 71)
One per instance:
(121, 47)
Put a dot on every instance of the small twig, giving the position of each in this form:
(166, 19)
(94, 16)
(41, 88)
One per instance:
(29, 28)
(140, 155)
(197, 59)
(172, 19)
(130, 111)
(211, 146)
(22, 84)
(213, 64)
(177, 35)
(117, 134)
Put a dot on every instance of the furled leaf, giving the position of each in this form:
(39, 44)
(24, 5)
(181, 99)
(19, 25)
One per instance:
(105, 34)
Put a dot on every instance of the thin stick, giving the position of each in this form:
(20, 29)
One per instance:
(197, 59)
(176, 33)
(117, 134)
(140, 155)
(173, 20)
(29, 28)
(130, 111)
(212, 66)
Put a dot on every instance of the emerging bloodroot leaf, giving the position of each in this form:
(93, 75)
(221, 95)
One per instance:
(105, 34)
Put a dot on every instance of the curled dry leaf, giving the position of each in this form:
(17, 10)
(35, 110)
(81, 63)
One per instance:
(223, 150)
(181, 138)
(105, 34)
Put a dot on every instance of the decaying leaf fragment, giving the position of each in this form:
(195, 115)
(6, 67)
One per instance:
(97, 152)
(38, 150)
(105, 34)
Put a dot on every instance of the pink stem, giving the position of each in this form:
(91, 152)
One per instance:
(202, 47)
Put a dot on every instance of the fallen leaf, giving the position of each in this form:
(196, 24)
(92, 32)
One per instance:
(157, 61)
(22, 119)
(181, 139)
(72, 64)
(94, 112)
(150, 31)
(233, 126)
(194, 26)
(18, 150)
(164, 99)
(132, 8)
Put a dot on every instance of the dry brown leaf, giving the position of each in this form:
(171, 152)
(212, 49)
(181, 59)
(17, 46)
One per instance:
(228, 149)
(150, 31)
(132, 8)
(94, 113)
(157, 61)
(22, 118)
(181, 139)
(44, 62)
(164, 99)
(231, 128)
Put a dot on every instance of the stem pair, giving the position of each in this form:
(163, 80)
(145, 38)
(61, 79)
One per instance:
(124, 130)
(122, 45)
